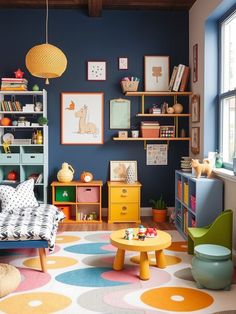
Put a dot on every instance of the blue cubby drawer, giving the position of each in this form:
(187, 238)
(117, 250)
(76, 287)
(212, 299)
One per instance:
(32, 158)
(6, 159)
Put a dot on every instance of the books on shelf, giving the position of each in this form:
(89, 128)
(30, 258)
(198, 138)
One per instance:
(184, 80)
(10, 106)
(179, 78)
(173, 76)
(14, 84)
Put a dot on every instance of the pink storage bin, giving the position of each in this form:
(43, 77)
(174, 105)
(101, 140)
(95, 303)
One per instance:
(88, 194)
(193, 202)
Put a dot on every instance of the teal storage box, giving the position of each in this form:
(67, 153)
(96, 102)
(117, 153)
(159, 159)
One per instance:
(32, 158)
(65, 194)
(8, 159)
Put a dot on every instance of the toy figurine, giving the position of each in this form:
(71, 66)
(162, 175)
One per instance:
(129, 234)
(141, 233)
(151, 232)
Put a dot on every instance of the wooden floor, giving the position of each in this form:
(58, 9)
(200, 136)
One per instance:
(146, 221)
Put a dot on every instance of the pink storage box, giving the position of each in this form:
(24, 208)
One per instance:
(88, 194)
(193, 202)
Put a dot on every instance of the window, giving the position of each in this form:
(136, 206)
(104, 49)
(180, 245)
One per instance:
(228, 89)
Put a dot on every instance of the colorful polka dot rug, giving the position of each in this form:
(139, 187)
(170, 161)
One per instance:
(80, 280)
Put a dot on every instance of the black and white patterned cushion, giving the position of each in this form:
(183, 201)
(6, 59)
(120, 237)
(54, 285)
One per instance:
(17, 198)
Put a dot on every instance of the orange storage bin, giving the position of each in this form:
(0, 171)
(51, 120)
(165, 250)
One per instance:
(150, 132)
(66, 210)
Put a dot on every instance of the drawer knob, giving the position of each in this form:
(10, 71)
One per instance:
(124, 191)
(124, 208)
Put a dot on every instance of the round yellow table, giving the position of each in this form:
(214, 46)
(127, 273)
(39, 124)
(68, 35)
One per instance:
(157, 244)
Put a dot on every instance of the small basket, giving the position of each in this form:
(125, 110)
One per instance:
(129, 86)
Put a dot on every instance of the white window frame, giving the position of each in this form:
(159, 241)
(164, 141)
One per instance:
(225, 95)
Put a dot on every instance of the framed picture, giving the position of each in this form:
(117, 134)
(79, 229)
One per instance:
(195, 104)
(96, 70)
(118, 169)
(195, 63)
(157, 154)
(156, 73)
(195, 140)
(82, 118)
(123, 63)
(120, 114)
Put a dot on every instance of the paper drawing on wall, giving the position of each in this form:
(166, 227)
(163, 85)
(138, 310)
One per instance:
(82, 118)
(84, 125)
(96, 71)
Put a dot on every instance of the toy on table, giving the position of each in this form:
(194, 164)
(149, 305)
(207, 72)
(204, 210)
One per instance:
(151, 232)
(141, 233)
(129, 234)
(201, 168)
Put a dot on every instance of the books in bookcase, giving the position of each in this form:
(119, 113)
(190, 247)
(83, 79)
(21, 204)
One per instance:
(178, 78)
(173, 76)
(184, 80)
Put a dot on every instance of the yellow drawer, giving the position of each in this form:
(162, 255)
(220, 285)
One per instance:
(124, 194)
(124, 212)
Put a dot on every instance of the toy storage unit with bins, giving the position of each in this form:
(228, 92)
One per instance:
(197, 201)
(21, 157)
(80, 202)
(123, 202)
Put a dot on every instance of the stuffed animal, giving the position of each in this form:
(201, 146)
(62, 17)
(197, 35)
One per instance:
(129, 234)
(202, 168)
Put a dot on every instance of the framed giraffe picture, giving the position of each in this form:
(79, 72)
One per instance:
(156, 73)
(82, 118)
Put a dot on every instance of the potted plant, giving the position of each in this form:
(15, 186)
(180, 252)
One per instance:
(159, 209)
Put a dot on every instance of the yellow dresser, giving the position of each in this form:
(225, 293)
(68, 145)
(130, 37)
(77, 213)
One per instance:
(123, 202)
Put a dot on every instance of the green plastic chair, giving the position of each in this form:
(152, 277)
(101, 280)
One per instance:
(219, 232)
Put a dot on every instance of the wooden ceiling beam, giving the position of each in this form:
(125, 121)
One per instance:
(95, 8)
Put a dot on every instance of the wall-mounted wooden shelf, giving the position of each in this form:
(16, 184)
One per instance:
(163, 115)
(164, 93)
(152, 139)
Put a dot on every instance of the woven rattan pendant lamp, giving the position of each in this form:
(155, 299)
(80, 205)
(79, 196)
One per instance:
(46, 61)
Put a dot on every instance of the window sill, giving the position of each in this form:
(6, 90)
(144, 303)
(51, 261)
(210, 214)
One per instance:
(225, 174)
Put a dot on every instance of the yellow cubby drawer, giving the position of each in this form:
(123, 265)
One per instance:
(124, 212)
(32, 158)
(9, 159)
(124, 194)
(186, 193)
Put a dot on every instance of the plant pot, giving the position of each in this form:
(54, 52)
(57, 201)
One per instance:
(159, 215)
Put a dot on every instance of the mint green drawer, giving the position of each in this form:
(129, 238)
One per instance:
(9, 159)
(32, 158)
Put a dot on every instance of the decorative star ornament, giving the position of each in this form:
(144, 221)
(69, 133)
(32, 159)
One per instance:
(19, 73)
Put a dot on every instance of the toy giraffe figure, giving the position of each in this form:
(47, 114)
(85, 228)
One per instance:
(84, 126)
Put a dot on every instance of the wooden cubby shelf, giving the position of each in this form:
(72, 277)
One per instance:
(81, 202)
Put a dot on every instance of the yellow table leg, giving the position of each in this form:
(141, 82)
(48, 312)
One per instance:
(160, 259)
(144, 266)
(119, 260)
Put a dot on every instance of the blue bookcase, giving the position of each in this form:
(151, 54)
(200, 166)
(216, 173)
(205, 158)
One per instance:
(197, 201)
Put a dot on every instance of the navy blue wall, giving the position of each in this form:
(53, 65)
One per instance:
(118, 33)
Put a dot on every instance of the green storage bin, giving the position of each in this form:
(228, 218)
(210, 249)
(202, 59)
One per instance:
(65, 194)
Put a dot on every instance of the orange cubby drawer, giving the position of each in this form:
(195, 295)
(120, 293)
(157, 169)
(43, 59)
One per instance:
(66, 210)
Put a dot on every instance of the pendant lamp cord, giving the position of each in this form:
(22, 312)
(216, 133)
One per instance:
(46, 21)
